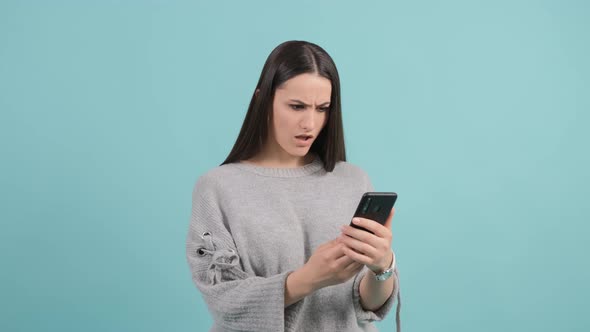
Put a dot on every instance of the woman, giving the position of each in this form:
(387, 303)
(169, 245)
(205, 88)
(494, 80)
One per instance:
(269, 245)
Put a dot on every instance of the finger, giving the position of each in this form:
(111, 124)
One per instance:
(354, 266)
(334, 252)
(359, 246)
(373, 226)
(343, 260)
(360, 235)
(357, 257)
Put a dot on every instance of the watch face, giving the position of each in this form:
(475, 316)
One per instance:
(385, 275)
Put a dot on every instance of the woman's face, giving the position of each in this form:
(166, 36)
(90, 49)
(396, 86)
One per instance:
(299, 113)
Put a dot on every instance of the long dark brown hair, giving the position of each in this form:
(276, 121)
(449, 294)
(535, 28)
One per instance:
(286, 61)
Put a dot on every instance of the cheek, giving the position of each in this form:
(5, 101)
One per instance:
(281, 125)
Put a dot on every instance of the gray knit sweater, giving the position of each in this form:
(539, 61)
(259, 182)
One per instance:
(251, 226)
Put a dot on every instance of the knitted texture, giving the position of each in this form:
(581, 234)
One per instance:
(251, 226)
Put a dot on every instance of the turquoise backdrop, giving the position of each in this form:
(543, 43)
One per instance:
(475, 112)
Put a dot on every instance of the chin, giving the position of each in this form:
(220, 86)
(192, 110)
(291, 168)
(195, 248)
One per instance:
(299, 152)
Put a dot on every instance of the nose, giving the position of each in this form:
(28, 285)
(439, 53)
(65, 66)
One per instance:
(307, 121)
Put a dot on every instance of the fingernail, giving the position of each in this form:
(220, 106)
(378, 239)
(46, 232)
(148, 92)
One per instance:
(343, 228)
(356, 221)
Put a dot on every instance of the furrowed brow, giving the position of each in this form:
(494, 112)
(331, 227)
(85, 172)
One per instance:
(299, 101)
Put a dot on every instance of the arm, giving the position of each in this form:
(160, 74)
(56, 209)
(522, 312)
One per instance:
(374, 293)
(372, 299)
(297, 287)
(236, 300)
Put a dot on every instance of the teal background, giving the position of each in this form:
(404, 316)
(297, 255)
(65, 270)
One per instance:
(475, 112)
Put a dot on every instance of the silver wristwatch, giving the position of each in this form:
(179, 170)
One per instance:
(387, 273)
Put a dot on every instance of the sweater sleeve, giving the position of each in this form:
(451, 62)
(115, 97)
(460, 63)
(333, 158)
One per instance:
(379, 314)
(238, 301)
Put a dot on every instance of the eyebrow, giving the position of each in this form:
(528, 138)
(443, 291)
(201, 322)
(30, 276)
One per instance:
(299, 101)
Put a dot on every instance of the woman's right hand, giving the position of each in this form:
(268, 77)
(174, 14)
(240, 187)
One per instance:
(328, 265)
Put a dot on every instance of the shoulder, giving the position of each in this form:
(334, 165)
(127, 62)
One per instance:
(352, 173)
(212, 181)
(345, 168)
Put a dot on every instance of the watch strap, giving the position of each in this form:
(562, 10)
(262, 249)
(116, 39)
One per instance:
(384, 275)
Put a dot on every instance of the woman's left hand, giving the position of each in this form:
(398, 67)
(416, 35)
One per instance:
(373, 250)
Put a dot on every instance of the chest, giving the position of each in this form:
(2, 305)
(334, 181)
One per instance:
(277, 228)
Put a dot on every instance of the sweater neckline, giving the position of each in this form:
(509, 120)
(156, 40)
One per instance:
(283, 172)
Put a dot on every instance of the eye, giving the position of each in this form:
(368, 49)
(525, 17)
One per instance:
(325, 109)
(297, 107)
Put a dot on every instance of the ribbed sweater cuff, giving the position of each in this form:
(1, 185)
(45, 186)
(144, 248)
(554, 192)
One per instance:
(367, 315)
(258, 304)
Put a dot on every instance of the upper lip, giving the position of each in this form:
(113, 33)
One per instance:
(305, 135)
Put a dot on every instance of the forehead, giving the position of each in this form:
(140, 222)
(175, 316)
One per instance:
(309, 87)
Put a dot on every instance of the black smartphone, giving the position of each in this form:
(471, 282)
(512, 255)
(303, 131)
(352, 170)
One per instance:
(375, 206)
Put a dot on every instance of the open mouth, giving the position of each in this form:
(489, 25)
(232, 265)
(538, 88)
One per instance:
(304, 137)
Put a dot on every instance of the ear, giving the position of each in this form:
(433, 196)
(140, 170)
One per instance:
(256, 92)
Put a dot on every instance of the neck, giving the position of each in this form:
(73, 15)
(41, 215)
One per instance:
(267, 158)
